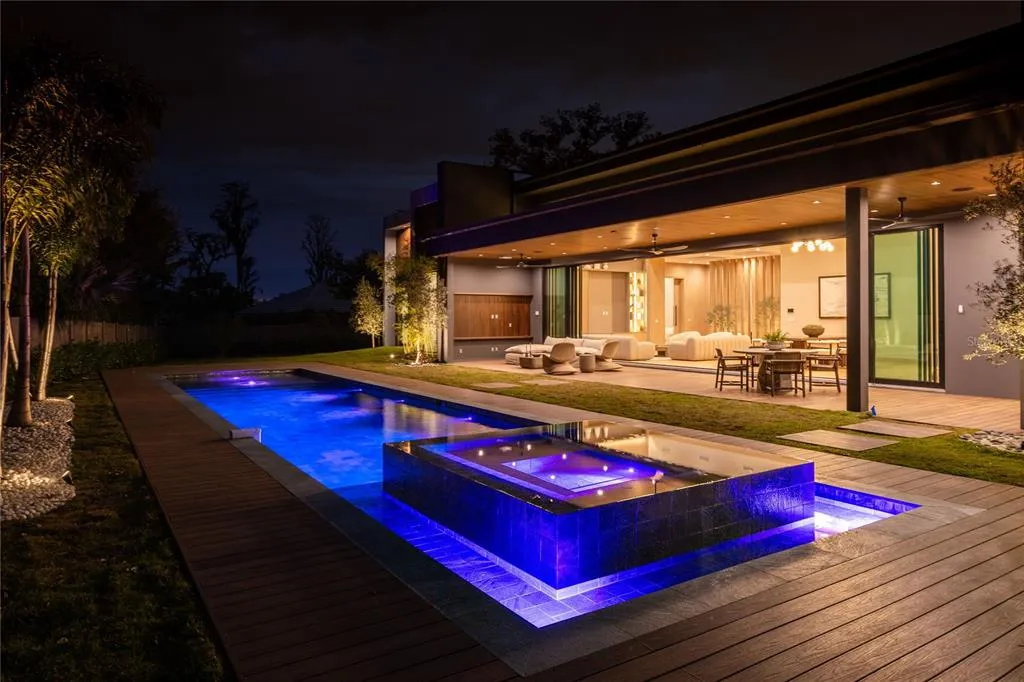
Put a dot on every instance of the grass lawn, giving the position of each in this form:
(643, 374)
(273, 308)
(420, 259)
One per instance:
(95, 590)
(757, 421)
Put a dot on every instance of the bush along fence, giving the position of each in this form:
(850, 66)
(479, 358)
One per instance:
(75, 331)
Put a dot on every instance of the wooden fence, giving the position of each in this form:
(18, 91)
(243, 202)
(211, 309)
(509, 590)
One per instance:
(71, 331)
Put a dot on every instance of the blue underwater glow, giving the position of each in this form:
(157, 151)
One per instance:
(334, 431)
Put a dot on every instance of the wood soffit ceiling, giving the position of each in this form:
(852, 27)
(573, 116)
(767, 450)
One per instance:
(956, 186)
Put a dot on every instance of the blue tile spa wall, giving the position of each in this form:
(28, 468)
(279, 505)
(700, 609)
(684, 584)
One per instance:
(562, 545)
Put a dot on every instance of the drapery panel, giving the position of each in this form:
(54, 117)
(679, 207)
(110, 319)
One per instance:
(745, 295)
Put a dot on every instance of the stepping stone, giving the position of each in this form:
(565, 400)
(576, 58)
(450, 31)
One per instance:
(496, 384)
(896, 429)
(842, 441)
(545, 382)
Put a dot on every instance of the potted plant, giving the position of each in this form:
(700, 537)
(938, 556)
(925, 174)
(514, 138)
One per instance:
(775, 340)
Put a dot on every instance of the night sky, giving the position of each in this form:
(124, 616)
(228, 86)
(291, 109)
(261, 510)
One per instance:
(342, 109)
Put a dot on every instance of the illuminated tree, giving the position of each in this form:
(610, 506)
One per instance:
(420, 301)
(368, 311)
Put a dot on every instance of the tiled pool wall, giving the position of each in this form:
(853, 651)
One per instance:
(563, 546)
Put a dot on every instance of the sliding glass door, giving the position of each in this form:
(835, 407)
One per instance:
(906, 307)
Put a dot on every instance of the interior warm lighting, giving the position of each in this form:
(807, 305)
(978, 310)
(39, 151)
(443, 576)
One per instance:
(783, 223)
(551, 244)
(874, 210)
(992, 195)
(711, 233)
(600, 236)
(727, 216)
(505, 257)
(935, 183)
(815, 202)
(812, 246)
(563, 253)
(480, 255)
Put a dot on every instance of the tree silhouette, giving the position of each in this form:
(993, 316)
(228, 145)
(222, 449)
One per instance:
(322, 259)
(237, 217)
(569, 138)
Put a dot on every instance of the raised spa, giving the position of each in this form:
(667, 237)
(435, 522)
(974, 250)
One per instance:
(572, 504)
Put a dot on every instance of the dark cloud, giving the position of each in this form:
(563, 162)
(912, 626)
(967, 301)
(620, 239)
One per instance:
(342, 108)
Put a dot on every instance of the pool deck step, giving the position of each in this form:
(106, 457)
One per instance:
(901, 429)
(292, 598)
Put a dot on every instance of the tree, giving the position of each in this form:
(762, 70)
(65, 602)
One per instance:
(350, 272)
(237, 217)
(368, 311)
(322, 259)
(420, 301)
(569, 138)
(1002, 297)
(74, 125)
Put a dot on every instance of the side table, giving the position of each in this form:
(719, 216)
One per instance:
(531, 361)
(588, 363)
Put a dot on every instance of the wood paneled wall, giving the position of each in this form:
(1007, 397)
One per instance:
(491, 316)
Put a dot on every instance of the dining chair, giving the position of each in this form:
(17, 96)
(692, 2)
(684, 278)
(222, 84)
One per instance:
(790, 365)
(828, 364)
(728, 365)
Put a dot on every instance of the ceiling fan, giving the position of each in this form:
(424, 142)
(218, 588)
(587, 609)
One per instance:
(900, 218)
(521, 263)
(655, 250)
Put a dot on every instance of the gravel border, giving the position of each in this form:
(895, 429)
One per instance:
(1008, 442)
(36, 462)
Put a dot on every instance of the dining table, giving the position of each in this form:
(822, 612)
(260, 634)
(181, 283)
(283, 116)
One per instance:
(762, 369)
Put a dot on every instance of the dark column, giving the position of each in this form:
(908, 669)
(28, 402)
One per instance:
(858, 276)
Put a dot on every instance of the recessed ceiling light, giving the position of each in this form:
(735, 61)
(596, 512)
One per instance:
(783, 223)
(711, 233)
(815, 202)
(727, 216)
(604, 247)
(874, 210)
(480, 255)
(514, 250)
(935, 183)
(505, 257)
(600, 236)
(992, 195)
(563, 253)
(758, 249)
(551, 244)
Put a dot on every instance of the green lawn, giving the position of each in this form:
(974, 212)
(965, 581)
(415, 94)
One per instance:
(757, 421)
(96, 590)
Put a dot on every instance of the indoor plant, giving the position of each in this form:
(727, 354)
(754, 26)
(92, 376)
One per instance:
(775, 340)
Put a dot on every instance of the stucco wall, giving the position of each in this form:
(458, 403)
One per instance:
(970, 253)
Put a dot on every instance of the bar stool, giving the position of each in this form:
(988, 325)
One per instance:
(824, 363)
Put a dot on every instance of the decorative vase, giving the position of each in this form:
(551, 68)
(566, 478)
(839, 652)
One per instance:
(813, 330)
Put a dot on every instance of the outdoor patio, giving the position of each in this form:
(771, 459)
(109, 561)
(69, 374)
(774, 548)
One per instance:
(927, 407)
(935, 591)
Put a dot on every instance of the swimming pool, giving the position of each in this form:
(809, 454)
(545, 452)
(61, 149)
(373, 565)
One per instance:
(334, 431)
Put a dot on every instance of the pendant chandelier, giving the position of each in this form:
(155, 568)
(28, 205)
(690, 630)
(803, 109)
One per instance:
(812, 246)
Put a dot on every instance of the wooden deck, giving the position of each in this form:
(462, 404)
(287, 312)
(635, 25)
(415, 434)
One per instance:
(292, 599)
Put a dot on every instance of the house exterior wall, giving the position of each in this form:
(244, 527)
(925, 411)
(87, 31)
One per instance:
(970, 254)
(466, 277)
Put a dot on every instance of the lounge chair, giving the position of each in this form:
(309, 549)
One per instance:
(604, 360)
(560, 359)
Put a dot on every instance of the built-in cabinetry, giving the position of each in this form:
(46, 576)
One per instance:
(491, 316)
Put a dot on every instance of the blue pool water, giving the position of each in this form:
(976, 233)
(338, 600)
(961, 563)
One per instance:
(334, 430)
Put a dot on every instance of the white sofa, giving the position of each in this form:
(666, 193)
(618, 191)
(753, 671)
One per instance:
(629, 348)
(696, 346)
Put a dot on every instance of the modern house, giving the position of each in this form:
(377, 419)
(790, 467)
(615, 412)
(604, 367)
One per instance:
(875, 168)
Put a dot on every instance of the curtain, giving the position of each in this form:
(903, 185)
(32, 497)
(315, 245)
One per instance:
(745, 295)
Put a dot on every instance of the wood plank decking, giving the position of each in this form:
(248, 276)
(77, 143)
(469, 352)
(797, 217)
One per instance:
(292, 599)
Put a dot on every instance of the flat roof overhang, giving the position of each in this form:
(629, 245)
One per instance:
(931, 194)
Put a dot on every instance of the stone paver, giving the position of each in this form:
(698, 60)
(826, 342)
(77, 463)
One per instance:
(834, 439)
(901, 429)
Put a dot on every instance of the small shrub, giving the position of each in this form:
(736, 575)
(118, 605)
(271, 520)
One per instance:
(85, 359)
